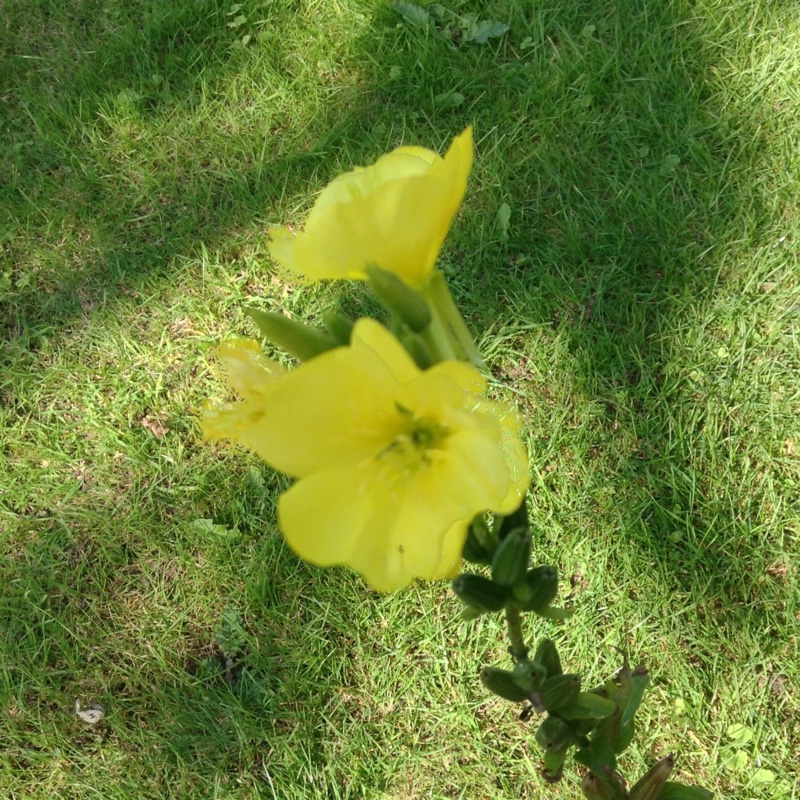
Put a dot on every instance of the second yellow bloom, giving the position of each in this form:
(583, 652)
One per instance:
(394, 214)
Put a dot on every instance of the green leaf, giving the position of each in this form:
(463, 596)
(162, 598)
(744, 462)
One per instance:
(502, 219)
(481, 32)
(448, 100)
(588, 705)
(413, 14)
(255, 478)
(210, 529)
(128, 97)
(395, 295)
(229, 633)
(762, 777)
(673, 790)
(736, 762)
(739, 734)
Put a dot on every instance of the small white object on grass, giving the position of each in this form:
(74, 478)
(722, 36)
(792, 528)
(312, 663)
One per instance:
(92, 715)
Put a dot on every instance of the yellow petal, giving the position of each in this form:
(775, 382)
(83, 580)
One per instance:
(329, 517)
(354, 516)
(447, 385)
(395, 214)
(226, 420)
(249, 372)
(512, 447)
(281, 248)
(337, 407)
(252, 375)
(371, 335)
(470, 475)
(392, 527)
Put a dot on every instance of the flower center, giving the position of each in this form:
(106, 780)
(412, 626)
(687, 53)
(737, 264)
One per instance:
(417, 437)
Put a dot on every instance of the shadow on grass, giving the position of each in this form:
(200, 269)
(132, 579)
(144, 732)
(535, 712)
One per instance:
(235, 700)
(114, 168)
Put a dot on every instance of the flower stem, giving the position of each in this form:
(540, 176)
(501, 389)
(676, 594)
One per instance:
(519, 650)
(437, 340)
(452, 337)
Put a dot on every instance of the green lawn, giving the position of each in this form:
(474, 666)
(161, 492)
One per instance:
(641, 305)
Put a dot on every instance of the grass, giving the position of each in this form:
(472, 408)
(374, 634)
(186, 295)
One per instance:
(641, 307)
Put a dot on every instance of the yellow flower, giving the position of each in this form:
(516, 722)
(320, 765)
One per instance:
(392, 462)
(250, 374)
(394, 214)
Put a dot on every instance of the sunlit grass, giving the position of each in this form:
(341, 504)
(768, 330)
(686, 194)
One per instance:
(640, 305)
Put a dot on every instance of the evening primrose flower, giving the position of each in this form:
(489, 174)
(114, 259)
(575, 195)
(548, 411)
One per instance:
(394, 214)
(392, 463)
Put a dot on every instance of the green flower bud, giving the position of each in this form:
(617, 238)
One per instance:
(607, 731)
(588, 705)
(338, 325)
(530, 675)
(399, 298)
(480, 593)
(559, 691)
(516, 519)
(511, 559)
(416, 348)
(649, 786)
(595, 788)
(501, 682)
(554, 734)
(547, 655)
(474, 550)
(537, 589)
(633, 685)
(297, 339)
(638, 679)
(553, 763)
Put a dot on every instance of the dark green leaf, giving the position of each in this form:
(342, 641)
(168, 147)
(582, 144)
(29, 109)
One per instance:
(413, 14)
(481, 32)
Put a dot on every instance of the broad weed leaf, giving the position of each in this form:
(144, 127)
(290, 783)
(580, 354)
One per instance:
(413, 14)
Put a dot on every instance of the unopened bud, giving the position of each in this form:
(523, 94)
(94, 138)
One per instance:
(554, 734)
(595, 788)
(537, 589)
(501, 682)
(511, 559)
(338, 326)
(399, 298)
(480, 593)
(649, 786)
(297, 339)
(559, 691)
(547, 655)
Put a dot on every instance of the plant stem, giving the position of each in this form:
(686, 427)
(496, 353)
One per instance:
(519, 650)
(447, 333)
